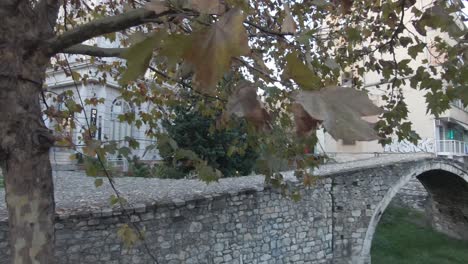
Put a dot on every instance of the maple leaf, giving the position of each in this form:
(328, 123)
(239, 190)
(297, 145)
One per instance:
(304, 122)
(300, 73)
(244, 103)
(288, 26)
(213, 49)
(138, 58)
(340, 110)
(157, 6)
(213, 7)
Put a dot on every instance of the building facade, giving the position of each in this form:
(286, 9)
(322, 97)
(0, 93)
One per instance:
(103, 116)
(446, 135)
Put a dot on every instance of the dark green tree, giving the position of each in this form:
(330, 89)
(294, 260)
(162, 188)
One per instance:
(227, 149)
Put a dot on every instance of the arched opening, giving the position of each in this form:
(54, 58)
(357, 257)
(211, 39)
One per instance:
(447, 206)
(119, 129)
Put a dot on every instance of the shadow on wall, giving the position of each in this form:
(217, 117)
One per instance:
(448, 202)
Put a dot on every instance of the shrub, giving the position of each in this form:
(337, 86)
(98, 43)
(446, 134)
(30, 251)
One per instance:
(225, 149)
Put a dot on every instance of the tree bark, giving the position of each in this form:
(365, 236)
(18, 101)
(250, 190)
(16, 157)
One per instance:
(24, 139)
(25, 143)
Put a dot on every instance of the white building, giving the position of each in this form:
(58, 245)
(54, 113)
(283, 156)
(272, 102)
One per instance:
(103, 116)
(446, 135)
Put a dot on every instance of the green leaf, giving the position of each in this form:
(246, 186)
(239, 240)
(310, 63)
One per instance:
(76, 76)
(405, 41)
(128, 235)
(186, 154)
(132, 143)
(138, 58)
(354, 35)
(300, 73)
(92, 169)
(125, 151)
(98, 182)
(207, 173)
(174, 46)
(113, 199)
(413, 51)
(296, 196)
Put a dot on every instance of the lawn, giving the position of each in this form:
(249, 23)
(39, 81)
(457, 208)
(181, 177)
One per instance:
(404, 237)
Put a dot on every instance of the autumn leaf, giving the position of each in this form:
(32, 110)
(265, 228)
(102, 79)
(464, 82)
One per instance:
(214, 7)
(341, 110)
(158, 6)
(288, 26)
(213, 49)
(304, 122)
(244, 103)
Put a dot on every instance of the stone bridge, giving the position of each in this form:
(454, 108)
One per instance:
(239, 220)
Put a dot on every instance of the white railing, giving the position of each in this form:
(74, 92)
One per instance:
(121, 163)
(452, 147)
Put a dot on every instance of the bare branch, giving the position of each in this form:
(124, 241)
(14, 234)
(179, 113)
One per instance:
(101, 26)
(268, 31)
(95, 51)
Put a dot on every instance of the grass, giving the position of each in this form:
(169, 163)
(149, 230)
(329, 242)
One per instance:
(404, 237)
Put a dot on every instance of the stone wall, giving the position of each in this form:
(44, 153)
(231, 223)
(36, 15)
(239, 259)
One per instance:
(241, 221)
(246, 227)
(413, 195)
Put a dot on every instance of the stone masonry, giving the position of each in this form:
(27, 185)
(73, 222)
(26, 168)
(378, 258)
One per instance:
(242, 221)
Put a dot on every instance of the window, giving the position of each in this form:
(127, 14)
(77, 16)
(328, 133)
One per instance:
(120, 130)
(63, 125)
(347, 79)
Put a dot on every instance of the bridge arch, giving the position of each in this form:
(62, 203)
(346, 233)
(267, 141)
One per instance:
(427, 175)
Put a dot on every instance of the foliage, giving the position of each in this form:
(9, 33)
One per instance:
(287, 69)
(280, 50)
(403, 237)
(164, 171)
(226, 148)
(138, 168)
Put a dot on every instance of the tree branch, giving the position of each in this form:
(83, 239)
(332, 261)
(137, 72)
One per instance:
(100, 27)
(94, 51)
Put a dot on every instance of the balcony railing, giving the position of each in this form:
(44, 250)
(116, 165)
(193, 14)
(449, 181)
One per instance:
(451, 147)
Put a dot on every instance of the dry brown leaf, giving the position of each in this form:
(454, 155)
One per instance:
(341, 110)
(158, 6)
(244, 103)
(288, 26)
(213, 49)
(304, 122)
(213, 7)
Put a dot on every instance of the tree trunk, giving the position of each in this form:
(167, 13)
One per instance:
(24, 139)
(30, 201)
(25, 143)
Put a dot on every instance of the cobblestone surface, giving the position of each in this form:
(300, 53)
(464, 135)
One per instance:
(74, 191)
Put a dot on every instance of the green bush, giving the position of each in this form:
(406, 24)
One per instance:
(226, 149)
(138, 168)
(166, 172)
